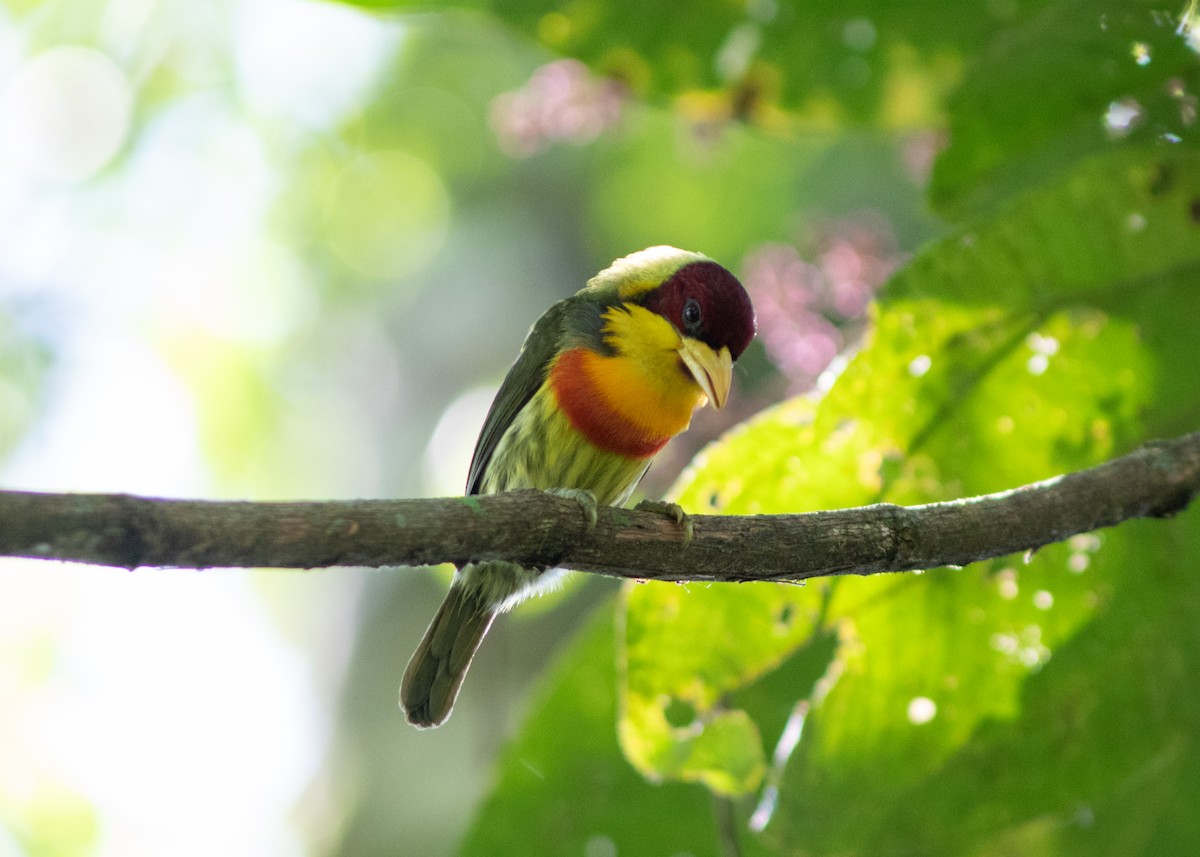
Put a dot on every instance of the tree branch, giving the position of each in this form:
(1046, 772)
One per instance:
(542, 530)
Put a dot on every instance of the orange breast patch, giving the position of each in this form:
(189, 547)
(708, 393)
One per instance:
(607, 402)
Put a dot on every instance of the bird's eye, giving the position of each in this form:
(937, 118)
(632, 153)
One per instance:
(692, 315)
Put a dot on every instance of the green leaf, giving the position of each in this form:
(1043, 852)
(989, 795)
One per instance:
(1120, 232)
(562, 785)
(1098, 760)
(1039, 98)
(951, 439)
(674, 722)
(957, 392)
(1101, 233)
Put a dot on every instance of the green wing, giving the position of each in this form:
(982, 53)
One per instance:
(526, 375)
(570, 323)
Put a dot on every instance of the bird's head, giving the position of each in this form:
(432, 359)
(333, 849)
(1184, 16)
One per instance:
(680, 302)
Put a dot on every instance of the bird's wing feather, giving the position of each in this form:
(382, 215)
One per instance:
(524, 378)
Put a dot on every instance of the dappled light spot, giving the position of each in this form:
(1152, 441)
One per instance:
(1043, 348)
(448, 456)
(1034, 656)
(1189, 26)
(331, 58)
(735, 55)
(1187, 104)
(859, 34)
(1043, 599)
(1082, 547)
(1122, 117)
(1025, 648)
(1004, 643)
(1006, 583)
(919, 365)
(65, 114)
(1140, 52)
(1033, 652)
(921, 710)
(600, 846)
(1040, 344)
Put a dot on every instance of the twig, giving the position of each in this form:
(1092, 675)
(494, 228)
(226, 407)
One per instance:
(725, 817)
(541, 530)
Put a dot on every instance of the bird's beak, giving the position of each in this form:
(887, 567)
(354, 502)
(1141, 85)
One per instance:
(713, 370)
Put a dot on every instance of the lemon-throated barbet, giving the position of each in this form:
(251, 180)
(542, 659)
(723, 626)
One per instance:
(605, 378)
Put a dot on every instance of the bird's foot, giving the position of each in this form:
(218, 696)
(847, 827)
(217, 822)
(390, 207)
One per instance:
(671, 510)
(586, 500)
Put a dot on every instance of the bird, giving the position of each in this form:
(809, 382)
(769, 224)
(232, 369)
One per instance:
(603, 380)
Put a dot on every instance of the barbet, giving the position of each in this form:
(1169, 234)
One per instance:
(605, 378)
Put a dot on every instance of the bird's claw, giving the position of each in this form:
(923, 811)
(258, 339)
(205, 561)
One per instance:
(671, 510)
(586, 500)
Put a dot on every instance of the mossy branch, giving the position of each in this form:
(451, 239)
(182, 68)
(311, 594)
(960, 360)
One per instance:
(541, 530)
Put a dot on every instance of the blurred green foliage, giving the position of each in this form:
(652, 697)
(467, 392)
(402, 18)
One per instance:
(24, 361)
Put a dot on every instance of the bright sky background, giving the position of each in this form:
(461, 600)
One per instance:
(168, 700)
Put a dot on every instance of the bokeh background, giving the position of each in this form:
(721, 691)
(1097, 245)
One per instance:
(273, 249)
(269, 249)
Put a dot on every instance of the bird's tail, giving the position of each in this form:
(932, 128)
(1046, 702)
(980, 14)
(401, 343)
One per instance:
(439, 665)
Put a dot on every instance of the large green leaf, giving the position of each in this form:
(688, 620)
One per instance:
(1101, 758)
(981, 384)
(883, 432)
(1101, 233)
(1120, 232)
(563, 787)
(1078, 78)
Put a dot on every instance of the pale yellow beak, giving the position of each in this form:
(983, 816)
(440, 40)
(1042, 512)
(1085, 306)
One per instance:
(713, 370)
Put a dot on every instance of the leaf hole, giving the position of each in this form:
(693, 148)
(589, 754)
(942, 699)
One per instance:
(1162, 180)
(679, 713)
(785, 615)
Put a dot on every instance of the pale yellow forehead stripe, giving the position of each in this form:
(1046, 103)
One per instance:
(644, 270)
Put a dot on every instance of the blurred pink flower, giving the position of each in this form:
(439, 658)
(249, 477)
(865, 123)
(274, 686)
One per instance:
(563, 102)
(808, 312)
